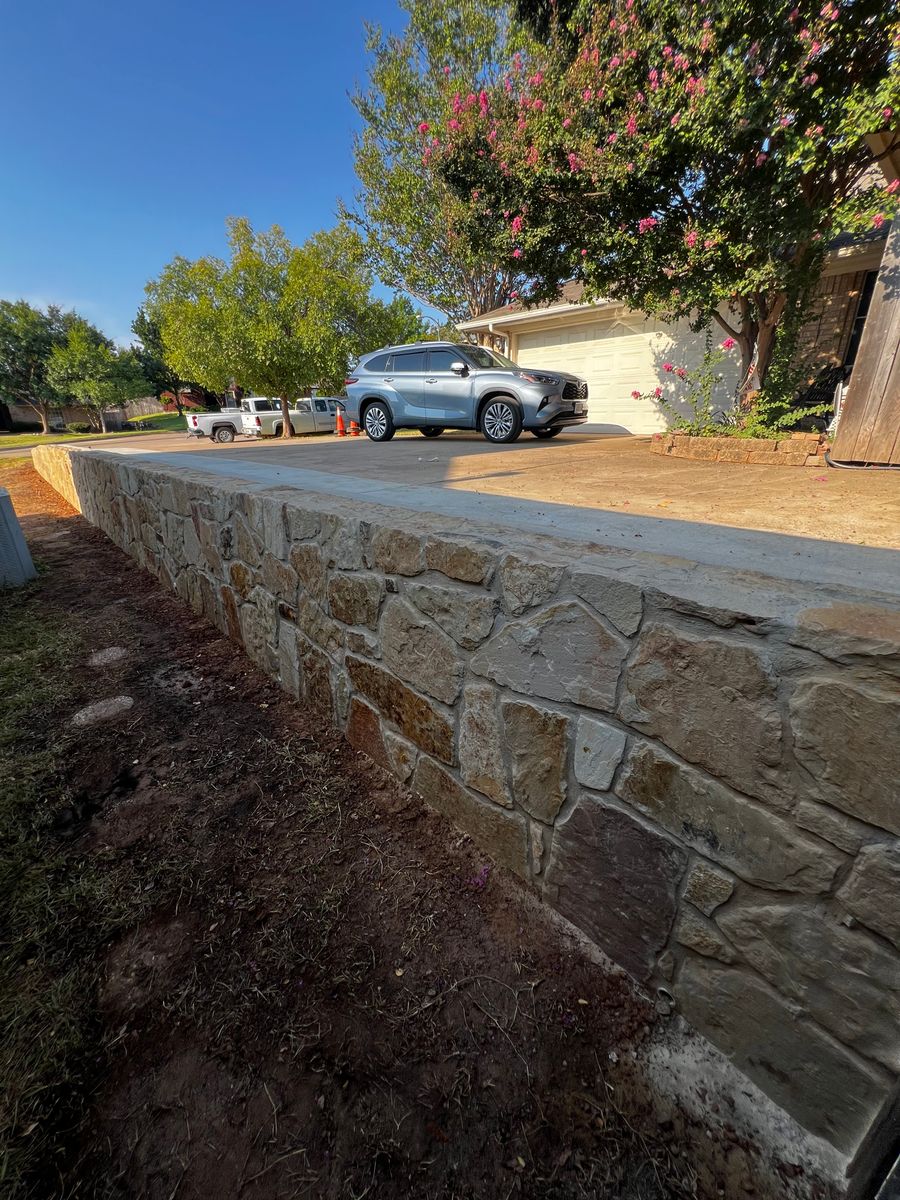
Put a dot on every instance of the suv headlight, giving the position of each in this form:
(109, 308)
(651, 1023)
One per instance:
(535, 377)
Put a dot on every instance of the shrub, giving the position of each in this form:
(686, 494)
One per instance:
(79, 427)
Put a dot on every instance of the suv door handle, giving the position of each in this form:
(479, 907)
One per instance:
(431, 380)
(388, 379)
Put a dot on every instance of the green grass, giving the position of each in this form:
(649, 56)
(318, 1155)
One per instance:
(57, 909)
(160, 422)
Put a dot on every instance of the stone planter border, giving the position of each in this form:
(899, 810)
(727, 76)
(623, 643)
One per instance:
(797, 450)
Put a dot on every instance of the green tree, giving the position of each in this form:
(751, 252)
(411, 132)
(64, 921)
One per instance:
(27, 338)
(94, 372)
(151, 357)
(414, 225)
(693, 159)
(278, 319)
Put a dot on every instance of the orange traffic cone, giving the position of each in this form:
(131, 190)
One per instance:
(354, 429)
(339, 430)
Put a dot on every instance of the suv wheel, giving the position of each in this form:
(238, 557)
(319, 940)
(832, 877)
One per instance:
(432, 431)
(378, 423)
(544, 434)
(501, 421)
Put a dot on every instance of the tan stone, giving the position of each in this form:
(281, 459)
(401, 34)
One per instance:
(536, 835)
(699, 934)
(278, 578)
(466, 616)
(317, 626)
(501, 834)
(315, 679)
(246, 545)
(288, 659)
(713, 700)
(308, 561)
(526, 584)
(480, 744)
(618, 600)
(708, 887)
(561, 653)
(396, 552)
(341, 542)
(843, 632)
(833, 826)
(743, 836)
(537, 741)
(355, 598)
(364, 732)
(402, 755)
(842, 728)
(241, 579)
(466, 561)
(414, 715)
(419, 652)
(872, 890)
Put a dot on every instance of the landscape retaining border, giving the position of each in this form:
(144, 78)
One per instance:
(706, 789)
(796, 450)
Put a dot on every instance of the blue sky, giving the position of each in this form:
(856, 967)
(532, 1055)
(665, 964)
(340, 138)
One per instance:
(130, 131)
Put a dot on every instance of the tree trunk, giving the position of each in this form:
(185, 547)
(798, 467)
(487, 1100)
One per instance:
(287, 429)
(102, 421)
(44, 412)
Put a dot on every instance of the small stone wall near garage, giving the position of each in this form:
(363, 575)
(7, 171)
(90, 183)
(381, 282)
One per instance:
(797, 450)
(697, 767)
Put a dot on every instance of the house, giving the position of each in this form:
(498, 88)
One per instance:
(620, 351)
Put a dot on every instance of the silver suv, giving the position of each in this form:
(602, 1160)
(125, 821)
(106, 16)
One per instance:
(435, 386)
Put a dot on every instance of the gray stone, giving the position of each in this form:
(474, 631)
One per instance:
(527, 584)
(341, 542)
(536, 834)
(842, 729)
(278, 578)
(415, 717)
(302, 524)
(315, 679)
(562, 653)
(308, 561)
(356, 598)
(872, 890)
(419, 652)
(616, 599)
(401, 755)
(193, 554)
(274, 526)
(712, 700)
(359, 641)
(699, 934)
(666, 965)
(318, 626)
(102, 710)
(288, 659)
(481, 744)
(823, 1085)
(707, 887)
(617, 881)
(396, 552)
(466, 561)
(241, 578)
(259, 628)
(833, 826)
(842, 978)
(499, 833)
(537, 741)
(598, 751)
(844, 632)
(467, 617)
(755, 844)
(106, 658)
(247, 545)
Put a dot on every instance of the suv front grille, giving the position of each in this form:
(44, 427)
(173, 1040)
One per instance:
(575, 391)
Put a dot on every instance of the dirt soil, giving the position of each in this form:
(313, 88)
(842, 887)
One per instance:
(327, 992)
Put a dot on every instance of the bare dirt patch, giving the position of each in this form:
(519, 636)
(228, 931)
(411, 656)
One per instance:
(315, 987)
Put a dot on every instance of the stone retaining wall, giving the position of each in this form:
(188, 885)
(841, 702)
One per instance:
(701, 776)
(798, 450)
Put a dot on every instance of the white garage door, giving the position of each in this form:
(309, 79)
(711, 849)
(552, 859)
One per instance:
(615, 359)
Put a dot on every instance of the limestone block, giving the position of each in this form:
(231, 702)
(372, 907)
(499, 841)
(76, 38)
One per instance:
(843, 978)
(536, 834)
(842, 729)
(193, 554)
(872, 890)
(259, 626)
(278, 578)
(396, 552)
(501, 834)
(616, 880)
(616, 599)
(288, 659)
(537, 741)
(598, 751)
(341, 541)
(241, 579)
(708, 887)
(315, 679)
(363, 732)
(469, 562)
(231, 621)
(823, 1085)
(526, 584)
(561, 653)
(274, 526)
(308, 560)
(355, 598)
(318, 626)
(701, 935)
(744, 837)
(419, 652)
(302, 524)
(481, 744)
(833, 826)
(844, 631)
(401, 755)
(466, 616)
(247, 545)
(712, 700)
(415, 716)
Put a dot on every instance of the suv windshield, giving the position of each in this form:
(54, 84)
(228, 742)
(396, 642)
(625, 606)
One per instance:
(482, 357)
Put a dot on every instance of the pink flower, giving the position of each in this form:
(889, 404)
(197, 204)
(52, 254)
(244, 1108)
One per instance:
(668, 367)
(613, 137)
(631, 127)
(668, 51)
(475, 195)
(887, 113)
(517, 253)
(810, 79)
(690, 239)
(729, 343)
(657, 392)
(614, 62)
(513, 295)
(804, 35)
(424, 127)
(454, 124)
(794, 14)
(537, 79)
(567, 122)
(760, 159)
(675, 120)
(878, 220)
(587, 94)
(574, 162)
(646, 224)
(517, 224)
(537, 104)
(584, 254)
(635, 395)
(681, 372)
(892, 186)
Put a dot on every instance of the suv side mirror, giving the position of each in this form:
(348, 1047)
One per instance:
(458, 367)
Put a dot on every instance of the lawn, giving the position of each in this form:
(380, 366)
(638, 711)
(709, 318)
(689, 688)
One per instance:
(158, 423)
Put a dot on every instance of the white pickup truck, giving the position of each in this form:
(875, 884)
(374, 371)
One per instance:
(221, 426)
(261, 415)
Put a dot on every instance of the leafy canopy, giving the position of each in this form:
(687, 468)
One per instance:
(27, 339)
(689, 158)
(414, 225)
(89, 368)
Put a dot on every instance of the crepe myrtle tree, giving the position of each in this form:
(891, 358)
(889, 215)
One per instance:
(276, 318)
(692, 158)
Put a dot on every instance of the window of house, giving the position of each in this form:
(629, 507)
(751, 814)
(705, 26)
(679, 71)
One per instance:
(862, 311)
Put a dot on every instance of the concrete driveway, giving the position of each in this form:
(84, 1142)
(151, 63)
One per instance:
(589, 471)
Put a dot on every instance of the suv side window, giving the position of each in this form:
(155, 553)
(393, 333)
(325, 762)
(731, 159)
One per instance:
(410, 362)
(378, 364)
(441, 360)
